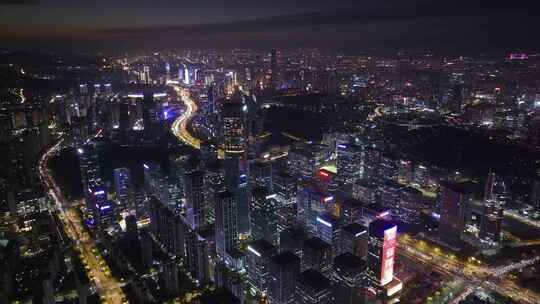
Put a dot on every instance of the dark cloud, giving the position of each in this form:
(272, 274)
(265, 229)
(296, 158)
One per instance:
(452, 26)
(18, 2)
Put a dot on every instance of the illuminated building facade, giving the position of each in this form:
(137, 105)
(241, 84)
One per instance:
(381, 252)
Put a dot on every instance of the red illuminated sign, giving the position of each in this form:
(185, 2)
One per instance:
(388, 252)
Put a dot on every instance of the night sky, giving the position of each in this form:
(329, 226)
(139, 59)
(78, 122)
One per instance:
(282, 23)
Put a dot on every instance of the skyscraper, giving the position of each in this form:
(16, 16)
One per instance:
(329, 230)
(274, 81)
(146, 74)
(349, 273)
(149, 115)
(186, 77)
(454, 199)
(258, 257)
(263, 216)
(89, 165)
(123, 186)
(292, 239)
(317, 254)
(496, 195)
(284, 188)
(260, 174)
(236, 181)
(283, 270)
(103, 211)
(313, 288)
(233, 128)
(381, 252)
(211, 100)
(196, 204)
(226, 205)
(354, 240)
(349, 163)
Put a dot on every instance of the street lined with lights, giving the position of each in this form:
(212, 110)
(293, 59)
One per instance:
(472, 270)
(107, 286)
(179, 126)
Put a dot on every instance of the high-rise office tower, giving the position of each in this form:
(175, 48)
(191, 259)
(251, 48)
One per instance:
(108, 88)
(305, 160)
(283, 270)
(350, 211)
(89, 165)
(317, 254)
(123, 186)
(103, 211)
(421, 175)
(366, 190)
(226, 205)
(186, 77)
(496, 189)
(158, 215)
(389, 191)
(233, 129)
(168, 71)
(196, 204)
(349, 272)
(329, 230)
(313, 288)
(180, 165)
(94, 192)
(169, 276)
(124, 122)
(410, 201)
(258, 257)
(292, 239)
(147, 248)
(491, 222)
(236, 181)
(372, 159)
(146, 75)
(260, 174)
(284, 188)
(381, 253)
(83, 89)
(149, 115)
(197, 252)
(155, 182)
(97, 88)
(274, 80)
(389, 167)
(211, 100)
(405, 171)
(349, 163)
(209, 152)
(354, 240)
(456, 99)
(453, 199)
(263, 216)
(312, 201)
(496, 195)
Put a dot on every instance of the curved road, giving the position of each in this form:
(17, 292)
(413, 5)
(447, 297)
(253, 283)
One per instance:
(179, 126)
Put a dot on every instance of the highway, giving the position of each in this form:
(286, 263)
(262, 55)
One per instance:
(472, 271)
(20, 94)
(179, 126)
(107, 287)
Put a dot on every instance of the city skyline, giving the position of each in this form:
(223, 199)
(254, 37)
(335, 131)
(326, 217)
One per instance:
(277, 152)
